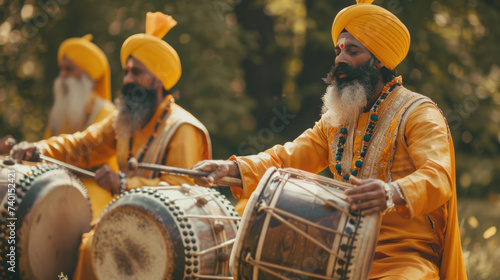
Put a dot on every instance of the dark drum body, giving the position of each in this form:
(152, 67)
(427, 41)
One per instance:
(45, 210)
(297, 225)
(165, 232)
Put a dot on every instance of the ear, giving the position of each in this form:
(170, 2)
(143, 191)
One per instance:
(378, 64)
(158, 84)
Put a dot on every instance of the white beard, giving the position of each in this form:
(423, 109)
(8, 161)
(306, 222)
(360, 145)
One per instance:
(343, 106)
(71, 98)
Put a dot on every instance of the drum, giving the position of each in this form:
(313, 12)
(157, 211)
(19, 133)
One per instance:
(297, 225)
(165, 232)
(44, 210)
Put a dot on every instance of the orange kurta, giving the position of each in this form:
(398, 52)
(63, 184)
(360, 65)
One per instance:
(98, 109)
(414, 240)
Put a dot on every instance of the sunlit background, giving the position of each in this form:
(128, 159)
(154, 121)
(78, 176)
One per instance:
(247, 62)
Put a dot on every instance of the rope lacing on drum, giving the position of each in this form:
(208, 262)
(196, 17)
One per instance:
(270, 210)
(265, 266)
(212, 277)
(222, 245)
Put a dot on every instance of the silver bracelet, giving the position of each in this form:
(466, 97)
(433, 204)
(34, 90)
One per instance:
(123, 182)
(388, 198)
(398, 189)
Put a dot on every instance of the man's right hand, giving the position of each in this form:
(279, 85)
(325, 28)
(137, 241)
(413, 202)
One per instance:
(217, 169)
(25, 151)
(6, 144)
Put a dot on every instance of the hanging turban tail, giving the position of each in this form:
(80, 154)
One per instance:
(381, 32)
(149, 48)
(91, 59)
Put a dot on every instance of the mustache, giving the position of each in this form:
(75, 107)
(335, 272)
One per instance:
(136, 94)
(351, 72)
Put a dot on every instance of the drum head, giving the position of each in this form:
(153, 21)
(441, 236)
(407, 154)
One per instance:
(52, 215)
(170, 232)
(131, 244)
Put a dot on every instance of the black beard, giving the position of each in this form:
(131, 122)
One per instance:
(136, 106)
(366, 75)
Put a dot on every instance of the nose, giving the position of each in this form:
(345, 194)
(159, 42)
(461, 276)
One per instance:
(341, 58)
(128, 78)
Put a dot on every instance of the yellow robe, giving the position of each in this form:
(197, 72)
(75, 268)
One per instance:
(98, 109)
(182, 141)
(418, 241)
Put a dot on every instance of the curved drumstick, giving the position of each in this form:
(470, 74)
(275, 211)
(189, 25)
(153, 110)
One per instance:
(224, 181)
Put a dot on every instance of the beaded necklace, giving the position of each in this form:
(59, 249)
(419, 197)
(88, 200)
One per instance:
(373, 118)
(151, 138)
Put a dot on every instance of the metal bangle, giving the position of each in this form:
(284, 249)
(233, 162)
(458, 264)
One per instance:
(123, 182)
(398, 190)
(388, 198)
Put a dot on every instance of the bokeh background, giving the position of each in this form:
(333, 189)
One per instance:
(253, 69)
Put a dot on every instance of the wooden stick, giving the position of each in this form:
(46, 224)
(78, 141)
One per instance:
(69, 166)
(224, 181)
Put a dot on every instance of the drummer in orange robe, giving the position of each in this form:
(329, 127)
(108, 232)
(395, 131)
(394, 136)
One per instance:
(148, 126)
(394, 145)
(82, 96)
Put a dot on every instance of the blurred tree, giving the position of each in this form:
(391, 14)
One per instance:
(252, 69)
(207, 38)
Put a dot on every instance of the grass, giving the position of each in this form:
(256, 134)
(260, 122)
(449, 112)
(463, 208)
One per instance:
(480, 223)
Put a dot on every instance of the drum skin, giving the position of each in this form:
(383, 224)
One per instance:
(52, 212)
(162, 232)
(270, 248)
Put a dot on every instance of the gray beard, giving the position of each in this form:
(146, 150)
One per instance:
(343, 106)
(130, 120)
(71, 98)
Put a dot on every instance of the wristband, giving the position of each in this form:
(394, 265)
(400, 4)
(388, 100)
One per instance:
(398, 190)
(388, 198)
(123, 182)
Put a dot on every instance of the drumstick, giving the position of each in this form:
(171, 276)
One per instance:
(224, 181)
(69, 166)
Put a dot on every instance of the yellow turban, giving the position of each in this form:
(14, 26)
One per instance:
(91, 59)
(149, 48)
(381, 32)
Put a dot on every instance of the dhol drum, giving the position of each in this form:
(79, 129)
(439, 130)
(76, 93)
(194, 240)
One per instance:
(45, 210)
(297, 225)
(165, 232)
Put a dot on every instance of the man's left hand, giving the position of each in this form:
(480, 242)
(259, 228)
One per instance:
(107, 179)
(368, 195)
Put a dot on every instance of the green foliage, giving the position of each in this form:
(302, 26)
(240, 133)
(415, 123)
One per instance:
(243, 61)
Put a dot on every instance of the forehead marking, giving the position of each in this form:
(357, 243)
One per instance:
(341, 43)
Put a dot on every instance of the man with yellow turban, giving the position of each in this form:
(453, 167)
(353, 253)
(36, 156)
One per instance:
(394, 145)
(82, 96)
(82, 91)
(148, 126)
